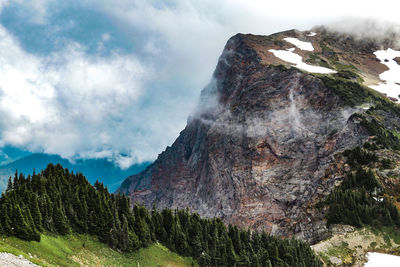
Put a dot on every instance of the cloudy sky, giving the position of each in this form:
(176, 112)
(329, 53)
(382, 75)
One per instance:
(118, 79)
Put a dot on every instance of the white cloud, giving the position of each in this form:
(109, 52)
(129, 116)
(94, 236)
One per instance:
(125, 161)
(3, 3)
(78, 104)
(69, 102)
(105, 37)
(25, 94)
(37, 9)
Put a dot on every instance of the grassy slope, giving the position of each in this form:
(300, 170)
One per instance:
(84, 250)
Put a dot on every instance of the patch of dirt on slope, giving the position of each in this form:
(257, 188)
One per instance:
(87, 259)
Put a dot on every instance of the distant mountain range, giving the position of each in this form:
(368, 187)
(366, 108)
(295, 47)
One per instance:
(94, 169)
(9, 154)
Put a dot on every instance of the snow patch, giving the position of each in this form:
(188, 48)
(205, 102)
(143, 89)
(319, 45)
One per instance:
(391, 77)
(311, 34)
(365, 106)
(379, 260)
(300, 44)
(379, 199)
(297, 60)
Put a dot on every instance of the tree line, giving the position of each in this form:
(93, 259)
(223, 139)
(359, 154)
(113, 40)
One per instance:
(60, 202)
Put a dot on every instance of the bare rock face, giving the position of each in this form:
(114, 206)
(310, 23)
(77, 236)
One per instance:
(258, 152)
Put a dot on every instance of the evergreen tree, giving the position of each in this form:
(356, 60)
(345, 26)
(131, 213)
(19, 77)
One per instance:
(35, 212)
(141, 227)
(60, 221)
(9, 185)
(5, 220)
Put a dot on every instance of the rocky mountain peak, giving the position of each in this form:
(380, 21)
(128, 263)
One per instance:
(262, 147)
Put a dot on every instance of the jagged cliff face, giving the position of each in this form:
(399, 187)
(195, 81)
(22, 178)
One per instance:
(260, 149)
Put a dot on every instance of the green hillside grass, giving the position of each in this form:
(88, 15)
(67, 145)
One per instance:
(85, 250)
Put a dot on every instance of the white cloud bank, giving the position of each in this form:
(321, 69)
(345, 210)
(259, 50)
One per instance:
(68, 102)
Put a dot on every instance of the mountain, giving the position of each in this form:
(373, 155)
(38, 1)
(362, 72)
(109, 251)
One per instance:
(95, 169)
(9, 154)
(265, 147)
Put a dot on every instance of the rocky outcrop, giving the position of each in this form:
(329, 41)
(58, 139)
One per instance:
(259, 151)
(10, 260)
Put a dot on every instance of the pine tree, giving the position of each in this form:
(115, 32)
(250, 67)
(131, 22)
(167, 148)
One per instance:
(20, 226)
(46, 209)
(180, 242)
(9, 184)
(5, 220)
(124, 237)
(141, 228)
(195, 236)
(35, 212)
(60, 220)
(230, 252)
(235, 236)
(267, 263)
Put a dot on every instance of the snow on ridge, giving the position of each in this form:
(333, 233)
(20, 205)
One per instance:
(379, 259)
(300, 44)
(391, 77)
(291, 57)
